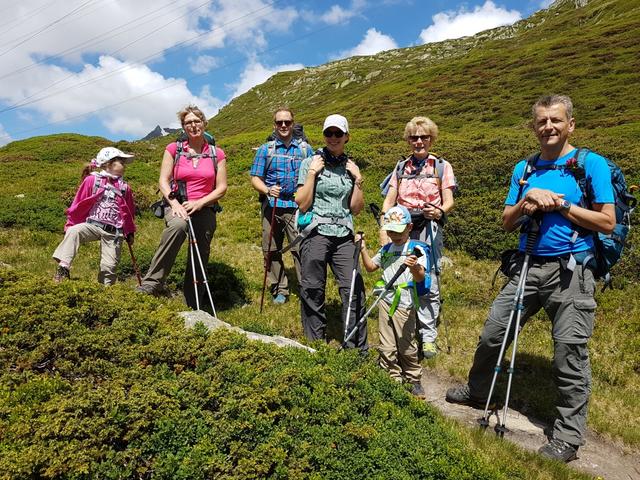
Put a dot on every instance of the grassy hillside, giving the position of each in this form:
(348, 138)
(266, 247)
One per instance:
(478, 90)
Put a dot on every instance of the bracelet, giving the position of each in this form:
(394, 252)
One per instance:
(358, 183)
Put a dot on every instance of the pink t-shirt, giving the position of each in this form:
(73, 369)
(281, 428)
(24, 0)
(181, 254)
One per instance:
(414, 193)
(201, 180)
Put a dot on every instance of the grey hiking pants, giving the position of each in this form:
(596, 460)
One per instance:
(316, 252)
(173, 236)
(284, 225)
(567, 298)
(110, 248)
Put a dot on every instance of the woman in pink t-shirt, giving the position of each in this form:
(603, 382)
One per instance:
(425, 187)
(191, 184)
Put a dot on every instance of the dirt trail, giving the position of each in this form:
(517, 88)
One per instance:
(597, 457)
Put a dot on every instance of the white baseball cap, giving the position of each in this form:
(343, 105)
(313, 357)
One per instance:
(337, 121)
(109, 153)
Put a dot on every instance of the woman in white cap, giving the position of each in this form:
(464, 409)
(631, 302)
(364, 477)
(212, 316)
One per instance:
(329, 195)
(193, 177)
(102, 209)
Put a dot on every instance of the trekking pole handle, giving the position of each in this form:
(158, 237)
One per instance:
(533, 230)
(416, 251)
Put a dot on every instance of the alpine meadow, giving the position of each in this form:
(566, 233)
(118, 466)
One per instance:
(107, 383)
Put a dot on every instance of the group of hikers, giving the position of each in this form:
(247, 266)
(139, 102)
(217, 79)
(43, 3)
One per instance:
(312, 196)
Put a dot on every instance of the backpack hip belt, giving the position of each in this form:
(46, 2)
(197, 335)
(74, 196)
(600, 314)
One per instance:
(315, 221)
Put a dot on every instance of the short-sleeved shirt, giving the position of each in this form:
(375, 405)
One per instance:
(390, 261)
(283, 168)
(556, 231)
(332, 193)
(414, 193)
(200, 180)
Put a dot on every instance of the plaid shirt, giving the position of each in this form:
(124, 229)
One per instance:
(283, 169)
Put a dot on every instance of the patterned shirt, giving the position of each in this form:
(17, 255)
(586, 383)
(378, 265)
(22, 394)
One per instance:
(332, 193)
(414, 193)
(106, 209)
(283, 169)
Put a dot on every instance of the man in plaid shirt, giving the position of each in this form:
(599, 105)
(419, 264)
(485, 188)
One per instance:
(274, 174)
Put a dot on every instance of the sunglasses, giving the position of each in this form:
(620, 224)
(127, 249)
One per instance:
(424, 138)
(333, 133)
(284, 123)
(192, 122)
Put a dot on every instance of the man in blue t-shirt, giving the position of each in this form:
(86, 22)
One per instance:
(274, 174)
(556, 280)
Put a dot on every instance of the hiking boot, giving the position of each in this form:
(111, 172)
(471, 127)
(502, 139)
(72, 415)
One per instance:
(462, 395)
(559, 450)
(418, 391)
(62, 273)
(280, 299)
(145, 289)
(429, 350)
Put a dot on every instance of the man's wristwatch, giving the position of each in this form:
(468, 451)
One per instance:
(565, 205)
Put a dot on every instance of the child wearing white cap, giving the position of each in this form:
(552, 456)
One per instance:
(103, 209)
(397, 308)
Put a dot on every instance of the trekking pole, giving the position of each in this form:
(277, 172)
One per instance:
(516, 309)
(134, 263)
(388, 286)
(267, 262)
(436, 266)
(193, 269)
(375, 211)
(356, 255)
(204, 272)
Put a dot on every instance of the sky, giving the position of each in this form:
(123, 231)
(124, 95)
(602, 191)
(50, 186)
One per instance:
(118, 68)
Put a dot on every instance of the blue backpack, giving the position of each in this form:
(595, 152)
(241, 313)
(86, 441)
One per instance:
(418, 288)
(608, 248)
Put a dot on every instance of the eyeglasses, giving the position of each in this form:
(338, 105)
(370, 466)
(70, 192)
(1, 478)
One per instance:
(284, 123)
(193, 122)
(424, 138)
(333, 133)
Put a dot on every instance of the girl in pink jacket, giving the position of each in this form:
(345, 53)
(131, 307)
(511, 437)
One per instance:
(102, 209)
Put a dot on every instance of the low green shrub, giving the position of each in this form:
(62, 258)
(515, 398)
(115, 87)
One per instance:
(102, 383)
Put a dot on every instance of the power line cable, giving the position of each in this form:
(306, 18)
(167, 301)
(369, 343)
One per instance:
(17, 22)
(87, 11)
(24, 102)
(277, 47)
(111, 33)
(46, 27)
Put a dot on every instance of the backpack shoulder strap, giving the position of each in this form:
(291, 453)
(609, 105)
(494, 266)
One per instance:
(526, 173)
(271, 151)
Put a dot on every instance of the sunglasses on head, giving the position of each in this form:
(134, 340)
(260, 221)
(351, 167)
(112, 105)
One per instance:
(424, 138)
(286, 123)
(333, 133)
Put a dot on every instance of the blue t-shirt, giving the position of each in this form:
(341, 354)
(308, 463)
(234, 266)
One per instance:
(556, 231)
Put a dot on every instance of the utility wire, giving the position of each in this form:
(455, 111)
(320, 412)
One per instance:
(26, 101)
(275, 48)
(46, 27)
(17, 22)
(87, 11)
(111, 33)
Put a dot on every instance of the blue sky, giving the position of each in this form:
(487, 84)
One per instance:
(118, 68)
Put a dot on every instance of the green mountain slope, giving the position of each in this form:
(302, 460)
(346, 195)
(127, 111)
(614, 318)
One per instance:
(490, 79)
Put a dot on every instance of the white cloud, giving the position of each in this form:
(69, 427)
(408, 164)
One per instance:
(4, 136)
(464, 23)
(546, 3)
(372, 43)
(255, 73)
(120, 39)
(337, 14)
(203, 64)
(148, 98)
